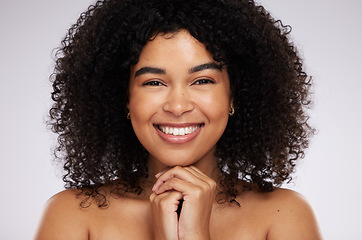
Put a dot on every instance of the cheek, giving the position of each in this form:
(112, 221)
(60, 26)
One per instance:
(140, 116)
(143, 106)
(216, 105)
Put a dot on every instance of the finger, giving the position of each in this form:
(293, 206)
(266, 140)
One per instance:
(178, 185)
(202, 176)
(166, 201)
(162, 172)
(196, 170)
(189, 190)
(176, 172)
(152, 197)
(164, 215)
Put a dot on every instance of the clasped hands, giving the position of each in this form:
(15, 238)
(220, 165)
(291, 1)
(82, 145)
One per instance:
(198, 192)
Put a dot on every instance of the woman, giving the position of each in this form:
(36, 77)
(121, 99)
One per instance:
(178, 120)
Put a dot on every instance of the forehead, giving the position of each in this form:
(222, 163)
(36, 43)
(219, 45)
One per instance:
(171, 46)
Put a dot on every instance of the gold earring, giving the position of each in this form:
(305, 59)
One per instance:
(128, 115)
(232, 110)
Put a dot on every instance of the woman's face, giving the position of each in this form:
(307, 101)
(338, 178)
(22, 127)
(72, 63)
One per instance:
(179, 100)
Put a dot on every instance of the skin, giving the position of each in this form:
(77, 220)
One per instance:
(184, 94)
(170, 86)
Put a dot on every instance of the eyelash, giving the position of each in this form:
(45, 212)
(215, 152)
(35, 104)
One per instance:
(153, 83)
(197, 82)
(203, 81)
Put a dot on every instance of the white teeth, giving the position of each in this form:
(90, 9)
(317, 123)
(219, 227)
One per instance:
(178, 131)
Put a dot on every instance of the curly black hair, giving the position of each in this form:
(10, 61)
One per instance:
(270, 90)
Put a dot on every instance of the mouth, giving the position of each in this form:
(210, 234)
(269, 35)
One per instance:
(179, 131)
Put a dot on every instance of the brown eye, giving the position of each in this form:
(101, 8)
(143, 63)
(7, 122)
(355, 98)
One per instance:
(153, 83)
(203, 81)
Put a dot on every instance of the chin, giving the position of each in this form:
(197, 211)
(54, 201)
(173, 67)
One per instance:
(182, 158)
(183, 162)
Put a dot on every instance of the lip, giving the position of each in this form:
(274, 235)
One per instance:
(178, 139)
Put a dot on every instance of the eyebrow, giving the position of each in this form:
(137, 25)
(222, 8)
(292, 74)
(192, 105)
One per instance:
(205, 66)
(146, 70)
(198, 68)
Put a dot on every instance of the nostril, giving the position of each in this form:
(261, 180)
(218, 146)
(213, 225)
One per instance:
(178, 103)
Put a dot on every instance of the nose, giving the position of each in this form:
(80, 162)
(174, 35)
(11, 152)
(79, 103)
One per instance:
(178, 102)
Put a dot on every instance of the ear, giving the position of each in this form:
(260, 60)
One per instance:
(127, 110)
(231, 107)
(231, 102)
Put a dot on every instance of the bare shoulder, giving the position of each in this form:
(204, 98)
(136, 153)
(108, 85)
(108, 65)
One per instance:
(291, 216)
(281, 214)
(63, 218)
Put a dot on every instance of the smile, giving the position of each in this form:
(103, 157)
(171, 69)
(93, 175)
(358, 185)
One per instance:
(178, 131)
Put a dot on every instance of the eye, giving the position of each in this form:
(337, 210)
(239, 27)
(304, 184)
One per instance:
(153, 83)
(203, 81)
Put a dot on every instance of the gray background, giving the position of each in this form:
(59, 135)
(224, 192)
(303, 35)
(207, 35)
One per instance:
(329, 36)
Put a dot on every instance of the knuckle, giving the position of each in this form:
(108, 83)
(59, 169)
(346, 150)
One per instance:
(158, 201)
(172, 181)
(152, 197)
(198, 191)
(212, 185)
(177, 168)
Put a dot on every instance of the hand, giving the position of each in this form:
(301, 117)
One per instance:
(198, 192)
(164, 216)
